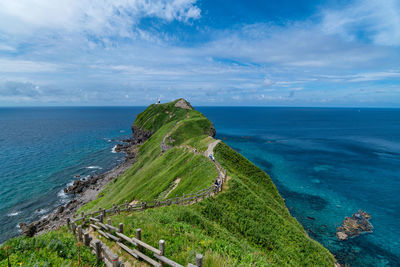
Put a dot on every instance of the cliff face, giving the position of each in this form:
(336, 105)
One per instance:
(140, 135)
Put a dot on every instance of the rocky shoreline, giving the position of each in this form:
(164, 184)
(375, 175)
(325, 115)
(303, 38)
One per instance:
(86, 190)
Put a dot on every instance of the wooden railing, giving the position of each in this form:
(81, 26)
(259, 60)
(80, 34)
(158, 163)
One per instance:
(142, 205)
(96, 222)
(102, 252)
(116, 234)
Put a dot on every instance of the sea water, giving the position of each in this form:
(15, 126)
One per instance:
(326, 163)
(43, 149)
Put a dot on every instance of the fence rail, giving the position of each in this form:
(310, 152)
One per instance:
(116, 234)
(183, 200)
(95, 220)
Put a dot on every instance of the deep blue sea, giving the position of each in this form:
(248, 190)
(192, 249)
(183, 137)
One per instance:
(327, 163)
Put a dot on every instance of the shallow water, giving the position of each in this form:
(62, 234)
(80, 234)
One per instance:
(327, 164)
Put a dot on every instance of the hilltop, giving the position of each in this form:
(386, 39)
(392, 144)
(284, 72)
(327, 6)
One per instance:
(245, 224)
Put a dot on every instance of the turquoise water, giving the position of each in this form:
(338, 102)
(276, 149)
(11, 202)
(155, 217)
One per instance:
(41, 151)
(326, 163)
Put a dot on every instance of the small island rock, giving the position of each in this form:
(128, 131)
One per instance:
(355, 225)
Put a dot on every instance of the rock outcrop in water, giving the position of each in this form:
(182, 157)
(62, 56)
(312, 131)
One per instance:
(355, 225)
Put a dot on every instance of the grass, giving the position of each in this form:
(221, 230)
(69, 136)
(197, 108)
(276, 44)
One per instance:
(154, 172)
(247, 224)
(55, 248)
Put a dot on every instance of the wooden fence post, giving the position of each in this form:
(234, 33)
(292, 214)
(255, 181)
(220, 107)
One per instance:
(86, 239)
(73, 228)
(80, 233)
(104, 213)
(109, 221)
(139, 236)
(101, 218)
(114, 208)
(161, 247)
(199, 260)
(98, 250)
(99, 211)
(114, 260)
(69, 223)
(121, 228)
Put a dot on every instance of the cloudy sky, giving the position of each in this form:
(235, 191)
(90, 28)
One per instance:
(212, 52)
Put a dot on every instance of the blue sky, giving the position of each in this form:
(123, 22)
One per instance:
(212, 52)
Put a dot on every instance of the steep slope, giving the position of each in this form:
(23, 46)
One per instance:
(247, 223)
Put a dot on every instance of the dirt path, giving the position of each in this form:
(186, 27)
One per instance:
(163, 145)
(210, 149)
(176, 183)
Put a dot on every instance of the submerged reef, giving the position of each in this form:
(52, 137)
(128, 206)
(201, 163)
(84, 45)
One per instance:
(355, 225)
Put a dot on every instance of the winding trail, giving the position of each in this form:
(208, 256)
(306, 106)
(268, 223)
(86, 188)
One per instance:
(213, 191)
(211, 146)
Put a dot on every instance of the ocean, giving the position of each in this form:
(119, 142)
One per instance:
(326, 162)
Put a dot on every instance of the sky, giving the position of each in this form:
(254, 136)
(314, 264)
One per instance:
(330, 53)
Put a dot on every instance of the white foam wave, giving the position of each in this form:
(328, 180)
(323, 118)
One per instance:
(12, 214)
(113, 149)
(94, 167)
(61, 194)
(41, 211)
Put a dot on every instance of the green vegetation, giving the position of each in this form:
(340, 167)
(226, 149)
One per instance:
(247, 224)
(154, 172)
(56, 248)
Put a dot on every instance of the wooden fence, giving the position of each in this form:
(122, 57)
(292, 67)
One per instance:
(102, 252)
(96, 221)
(116, 234)
(142, 205)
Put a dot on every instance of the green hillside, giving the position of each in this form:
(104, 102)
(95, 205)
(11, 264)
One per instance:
(247, 224)
(55, 248)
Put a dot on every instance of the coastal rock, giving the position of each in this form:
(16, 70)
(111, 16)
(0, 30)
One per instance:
(341, 236)
(355, 225)
(140, 135)
(79, 186)
(212, 132)
(60, 209)
(28, 229)
(182, 103)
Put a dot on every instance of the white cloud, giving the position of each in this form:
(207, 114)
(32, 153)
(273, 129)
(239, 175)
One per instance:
(377, 20)
(8, 48)
(21, 66)
(374, 76)
(268, 82)
(99, 17)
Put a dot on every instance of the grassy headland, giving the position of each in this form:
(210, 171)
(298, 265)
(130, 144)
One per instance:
(246, 224)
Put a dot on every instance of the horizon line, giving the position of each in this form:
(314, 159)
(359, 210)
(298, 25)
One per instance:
(216, 106)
